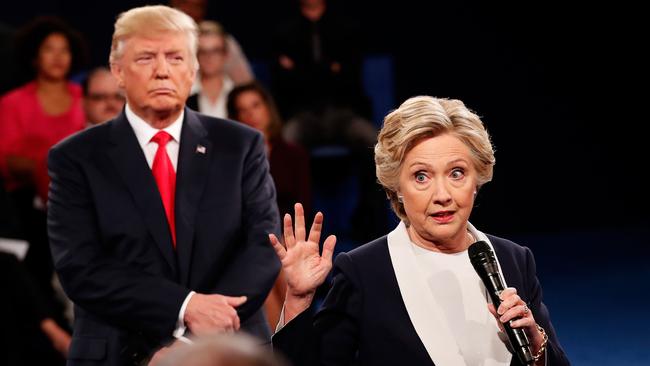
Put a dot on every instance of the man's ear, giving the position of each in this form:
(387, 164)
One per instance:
(194, 73)
(116, 70)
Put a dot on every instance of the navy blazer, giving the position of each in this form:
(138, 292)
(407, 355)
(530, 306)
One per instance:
(364, 321)
(112, 246)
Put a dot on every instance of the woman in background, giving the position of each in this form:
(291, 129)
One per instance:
(37, 115)
(34, 117)
(251, 104)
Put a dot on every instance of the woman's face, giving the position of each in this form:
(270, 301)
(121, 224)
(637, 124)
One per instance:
(252, 110)
(54, 57)
(438, 183)
(211, 55)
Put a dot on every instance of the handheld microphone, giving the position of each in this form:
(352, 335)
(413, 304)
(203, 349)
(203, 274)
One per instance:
(485, 265)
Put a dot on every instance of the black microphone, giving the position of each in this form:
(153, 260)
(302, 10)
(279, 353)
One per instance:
(485, 264)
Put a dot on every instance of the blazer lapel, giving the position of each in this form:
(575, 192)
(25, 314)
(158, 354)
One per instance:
(193, 170)
(131, 164)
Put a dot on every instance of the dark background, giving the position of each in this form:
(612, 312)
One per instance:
(561, 88)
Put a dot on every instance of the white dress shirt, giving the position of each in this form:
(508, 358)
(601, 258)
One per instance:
(218, 108)
(144, 132)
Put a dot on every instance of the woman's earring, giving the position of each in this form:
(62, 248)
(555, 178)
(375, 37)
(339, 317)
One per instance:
(400, 199)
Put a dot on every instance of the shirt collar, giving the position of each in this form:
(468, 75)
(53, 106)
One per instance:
(144, 132)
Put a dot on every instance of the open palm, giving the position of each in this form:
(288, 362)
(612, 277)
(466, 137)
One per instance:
(304, 267)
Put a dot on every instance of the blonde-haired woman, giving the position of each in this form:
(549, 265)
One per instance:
(412, 297)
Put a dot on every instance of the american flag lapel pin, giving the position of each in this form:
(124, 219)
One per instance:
(200, 149)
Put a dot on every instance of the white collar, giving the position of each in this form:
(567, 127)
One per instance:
(145, 132)
(197, 87)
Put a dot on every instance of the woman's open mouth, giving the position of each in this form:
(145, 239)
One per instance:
(443, 216)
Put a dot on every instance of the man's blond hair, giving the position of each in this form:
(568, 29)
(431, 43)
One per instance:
(152, 20)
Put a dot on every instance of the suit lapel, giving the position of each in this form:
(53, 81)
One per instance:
(193, 170)
(131, 164)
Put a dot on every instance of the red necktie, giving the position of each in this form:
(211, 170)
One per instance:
(163, 172)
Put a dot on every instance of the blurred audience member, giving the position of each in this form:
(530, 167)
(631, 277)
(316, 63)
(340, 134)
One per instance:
(219, 350)
(34, 117)
(253, 105)
(38, 114)
(317, 81)
(236, 64)
(318, 55)
(32, 337)
(213, 85)
(103, 98)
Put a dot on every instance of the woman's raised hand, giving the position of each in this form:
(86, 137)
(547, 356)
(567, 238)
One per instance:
(303, 265)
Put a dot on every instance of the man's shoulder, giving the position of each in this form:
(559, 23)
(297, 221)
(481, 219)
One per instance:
(220, 128)
(86, 140)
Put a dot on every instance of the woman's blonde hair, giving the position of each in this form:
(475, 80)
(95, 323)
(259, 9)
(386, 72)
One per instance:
(422, 117)
(153, 19)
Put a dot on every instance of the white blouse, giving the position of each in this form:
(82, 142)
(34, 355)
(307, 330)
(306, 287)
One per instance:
(461, 295)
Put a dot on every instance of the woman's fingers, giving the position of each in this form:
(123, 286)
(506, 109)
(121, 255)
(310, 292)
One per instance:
(493, 311)
(509, 298)
(518, 311)
(277, 246)
(300, 222)
(289, 239)
(316, 227)
(328, 248)
(527, 322)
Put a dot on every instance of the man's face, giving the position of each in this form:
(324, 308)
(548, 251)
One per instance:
(104, 100)
(156, 72)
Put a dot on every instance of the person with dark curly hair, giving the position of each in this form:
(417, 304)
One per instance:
(38, 114)
(34, 117)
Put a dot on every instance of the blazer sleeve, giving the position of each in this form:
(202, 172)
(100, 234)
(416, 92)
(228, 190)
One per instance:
(255, 266)
(554, 352)
(332, 336)
(91, 276)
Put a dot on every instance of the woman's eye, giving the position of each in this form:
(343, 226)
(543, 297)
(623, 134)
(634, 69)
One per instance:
(420, 177)
(457, 173)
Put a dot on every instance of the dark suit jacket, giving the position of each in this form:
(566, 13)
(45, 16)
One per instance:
(193, 102)
(364, 320)
(112, 246)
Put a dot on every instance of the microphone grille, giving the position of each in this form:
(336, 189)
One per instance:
(482, 258)
(478, 248)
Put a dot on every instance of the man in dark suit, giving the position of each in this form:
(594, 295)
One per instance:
(158, 219)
